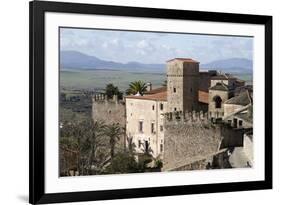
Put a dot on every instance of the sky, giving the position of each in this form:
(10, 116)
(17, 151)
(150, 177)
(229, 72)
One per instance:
(153, 47)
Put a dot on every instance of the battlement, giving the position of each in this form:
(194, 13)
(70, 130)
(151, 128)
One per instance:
(108, 110)
(180, 116)
(103, 98)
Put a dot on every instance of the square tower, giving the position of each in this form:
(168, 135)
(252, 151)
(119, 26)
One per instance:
(182, 84)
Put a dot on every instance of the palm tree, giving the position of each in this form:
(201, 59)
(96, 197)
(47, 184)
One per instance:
(131, 147)
(113, 131)
(94, 132)
(136, 87)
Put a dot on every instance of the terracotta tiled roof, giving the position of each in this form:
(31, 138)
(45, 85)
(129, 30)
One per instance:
(156, 90)
(160, 96)
(189, 60)
(203, 97)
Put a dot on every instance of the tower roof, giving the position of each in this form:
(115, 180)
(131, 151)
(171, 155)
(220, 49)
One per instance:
(219, 86)
(189, 60)
(243, 98)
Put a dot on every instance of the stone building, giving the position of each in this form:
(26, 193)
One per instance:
(145, 121)
(182, 84)
(153, 119)
(108, 110)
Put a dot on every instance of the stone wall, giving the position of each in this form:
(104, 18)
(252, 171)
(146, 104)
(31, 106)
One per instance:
(109, 111)
(188, 138)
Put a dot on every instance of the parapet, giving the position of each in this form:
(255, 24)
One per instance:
(103, 98)
(186, 116)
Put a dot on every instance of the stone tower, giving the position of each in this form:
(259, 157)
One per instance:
(182, 84)
(218, 94)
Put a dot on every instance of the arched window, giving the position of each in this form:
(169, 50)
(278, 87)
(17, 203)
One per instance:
(218, 101)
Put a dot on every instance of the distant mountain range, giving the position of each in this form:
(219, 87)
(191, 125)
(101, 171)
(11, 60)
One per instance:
(77, 60)
(73, 60)
(231, 65)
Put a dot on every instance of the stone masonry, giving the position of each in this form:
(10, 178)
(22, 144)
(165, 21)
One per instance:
(109, 111)
(190, 135)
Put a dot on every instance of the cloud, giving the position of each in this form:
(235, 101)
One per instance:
(148, 47)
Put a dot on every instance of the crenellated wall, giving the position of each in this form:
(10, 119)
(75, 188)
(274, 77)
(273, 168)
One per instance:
(107, 110)
(189, 137)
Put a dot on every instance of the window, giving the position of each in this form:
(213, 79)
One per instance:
(152, 128)
(139, 143)
(146, 146)
(218, 101)
(175, 90)
(234, 122)
(140, 126)
(175, 109)
(240, 123)
(161, 147)
(191, 90)
(152, 107)
(161, 128)
(161, 106)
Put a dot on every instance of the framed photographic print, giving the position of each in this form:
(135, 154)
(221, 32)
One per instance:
(140, 102)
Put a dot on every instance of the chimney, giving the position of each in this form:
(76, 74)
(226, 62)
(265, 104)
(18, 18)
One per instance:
(149, 85)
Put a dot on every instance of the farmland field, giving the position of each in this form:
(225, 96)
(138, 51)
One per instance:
(97, 79)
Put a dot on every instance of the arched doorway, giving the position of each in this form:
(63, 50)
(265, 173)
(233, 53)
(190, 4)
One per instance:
(217, 99)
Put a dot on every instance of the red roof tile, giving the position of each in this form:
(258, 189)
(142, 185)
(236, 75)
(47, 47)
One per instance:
(189, 60)
(203, 97)
(161, 96)
(156, 90)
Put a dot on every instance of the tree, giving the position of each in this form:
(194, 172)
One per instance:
(113, 131)
(86, 139)
(111, 90)
(136, 87)
(123, 163)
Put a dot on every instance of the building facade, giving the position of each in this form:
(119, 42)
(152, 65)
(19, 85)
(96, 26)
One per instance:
(208, 96)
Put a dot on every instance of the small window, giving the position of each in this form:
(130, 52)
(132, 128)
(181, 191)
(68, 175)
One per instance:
(161, 106)
(175, 109)
(240, 123)
(175, 90)
(191, 90)
(152, 128)
(161, 128)
(139, 143)
(153, 107)
(234, 122)
(161, 147)
(140, 126)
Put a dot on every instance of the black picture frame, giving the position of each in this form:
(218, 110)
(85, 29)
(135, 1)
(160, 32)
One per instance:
(37, 10)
